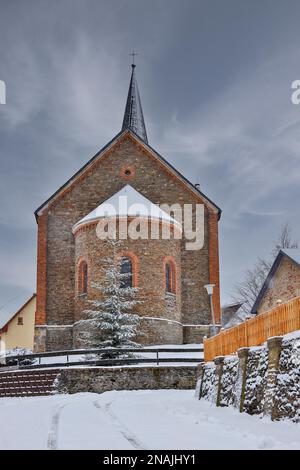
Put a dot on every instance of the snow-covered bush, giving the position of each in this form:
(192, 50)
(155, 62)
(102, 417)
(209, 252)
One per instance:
(6, 361)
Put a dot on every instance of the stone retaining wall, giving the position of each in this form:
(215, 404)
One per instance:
(100, 379)
(261, 380)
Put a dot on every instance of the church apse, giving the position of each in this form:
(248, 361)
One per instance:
(158, 289)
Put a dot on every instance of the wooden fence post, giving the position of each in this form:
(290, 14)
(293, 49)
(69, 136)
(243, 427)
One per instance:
(242, 376)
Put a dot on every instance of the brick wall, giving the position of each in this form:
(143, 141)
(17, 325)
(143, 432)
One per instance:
(285, 285)
(213, 255)
(56, 281)
(40, 316)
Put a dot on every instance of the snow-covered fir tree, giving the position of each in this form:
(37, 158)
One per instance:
(111, 322)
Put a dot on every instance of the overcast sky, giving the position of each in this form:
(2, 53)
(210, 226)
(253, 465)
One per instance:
(215, 81)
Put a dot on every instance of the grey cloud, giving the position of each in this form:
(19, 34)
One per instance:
(214, 79)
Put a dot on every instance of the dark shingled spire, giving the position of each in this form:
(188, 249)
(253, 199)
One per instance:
(133, 116)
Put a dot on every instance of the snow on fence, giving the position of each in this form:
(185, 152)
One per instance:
(277, 322)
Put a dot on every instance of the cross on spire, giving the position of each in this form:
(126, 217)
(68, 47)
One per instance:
(133, 54)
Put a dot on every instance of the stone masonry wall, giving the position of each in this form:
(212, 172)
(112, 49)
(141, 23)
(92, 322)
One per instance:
(99, 380)
(195, 334)
(256, 372)
(262, 380)
(155, 331)
(59, 337)
(229, 379)
(287, 397)
(208, 385)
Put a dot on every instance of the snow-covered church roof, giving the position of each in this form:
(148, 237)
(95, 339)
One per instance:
(127, 203)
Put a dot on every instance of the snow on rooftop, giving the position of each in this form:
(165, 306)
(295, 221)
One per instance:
(9, 309)
(127, 203)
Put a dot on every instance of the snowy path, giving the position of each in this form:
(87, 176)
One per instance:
(125, 432)
(162, 419)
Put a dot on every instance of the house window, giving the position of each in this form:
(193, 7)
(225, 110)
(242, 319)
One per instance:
(170, 277)
(20, 320)
(126, 272)
(82, 278)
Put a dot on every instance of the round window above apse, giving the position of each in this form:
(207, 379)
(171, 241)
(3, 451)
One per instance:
(127, 172)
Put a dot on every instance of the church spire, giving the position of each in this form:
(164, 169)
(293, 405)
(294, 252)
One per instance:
(133, 116)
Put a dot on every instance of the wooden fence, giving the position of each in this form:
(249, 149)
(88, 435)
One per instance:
(277, 322)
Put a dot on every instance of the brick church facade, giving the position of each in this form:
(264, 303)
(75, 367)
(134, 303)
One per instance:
(170, 278)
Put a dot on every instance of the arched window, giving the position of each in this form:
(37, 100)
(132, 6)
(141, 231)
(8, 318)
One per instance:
(82, 277)
(126, 270)
(170, 277)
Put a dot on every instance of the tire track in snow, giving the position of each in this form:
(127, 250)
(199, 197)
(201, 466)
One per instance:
(126, 433)
(52, 441)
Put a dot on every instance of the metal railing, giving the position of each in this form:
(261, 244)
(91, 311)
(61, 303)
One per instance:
(128, 356)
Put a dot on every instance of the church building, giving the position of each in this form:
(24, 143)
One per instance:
(171, 278)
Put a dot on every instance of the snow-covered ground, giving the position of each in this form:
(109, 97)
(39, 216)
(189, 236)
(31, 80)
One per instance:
(160, 419)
